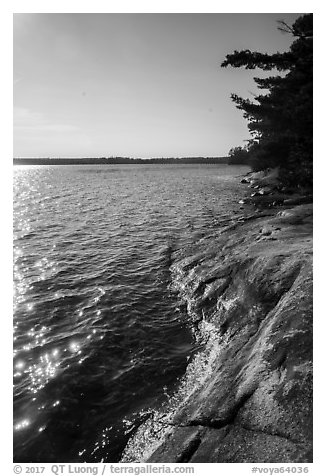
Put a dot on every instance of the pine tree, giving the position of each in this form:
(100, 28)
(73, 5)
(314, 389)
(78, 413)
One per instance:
(280, 119)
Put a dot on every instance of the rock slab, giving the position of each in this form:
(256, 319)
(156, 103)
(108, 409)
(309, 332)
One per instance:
(253, 283)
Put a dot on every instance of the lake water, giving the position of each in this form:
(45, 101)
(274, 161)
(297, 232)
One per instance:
(100, 335)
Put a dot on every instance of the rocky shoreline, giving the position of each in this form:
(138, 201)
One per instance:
(252, 284)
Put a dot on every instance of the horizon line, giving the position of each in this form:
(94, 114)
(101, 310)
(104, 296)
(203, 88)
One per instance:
(122, 157)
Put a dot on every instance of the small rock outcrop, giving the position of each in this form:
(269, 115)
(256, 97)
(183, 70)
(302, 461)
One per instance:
(269, 191)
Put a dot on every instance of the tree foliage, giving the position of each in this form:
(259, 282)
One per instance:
(238, 155)
(280, 118)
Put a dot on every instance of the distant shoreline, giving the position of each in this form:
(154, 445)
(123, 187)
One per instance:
(119, 160)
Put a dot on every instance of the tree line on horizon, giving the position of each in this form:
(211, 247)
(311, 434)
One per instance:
(280, 119)
(118, 160)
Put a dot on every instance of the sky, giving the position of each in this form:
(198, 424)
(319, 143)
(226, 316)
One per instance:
(134, 84)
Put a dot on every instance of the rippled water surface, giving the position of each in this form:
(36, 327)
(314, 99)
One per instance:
(100, 337)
